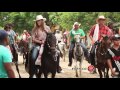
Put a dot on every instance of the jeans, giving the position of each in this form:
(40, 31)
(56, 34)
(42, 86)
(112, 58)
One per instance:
(35, 52)
(72, 48)
(92, 53)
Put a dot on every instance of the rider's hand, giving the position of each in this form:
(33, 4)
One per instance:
(103, 35)
(93, 42)
(68, 46)
(113, 72)
(42, 42)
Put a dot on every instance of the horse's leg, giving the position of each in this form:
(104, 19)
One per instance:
(31, 75)
(80, 65)
(107, 75)
(53, 75)
(45, 74)
(76, 68)
(100, 73)
(64, 53)
(39, 74)
(23, 58)
(104, 73)
(31, 72)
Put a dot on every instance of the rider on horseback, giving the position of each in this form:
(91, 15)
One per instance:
(75, 30)
(96, 33)
(39, 36)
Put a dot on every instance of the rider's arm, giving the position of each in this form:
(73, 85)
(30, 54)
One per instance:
(48, 29)
(109, 32)
(91, 33)
(14, 34)
(34, 39)
(82, 36)
(69, 38)
(9, 70)
(7, 60)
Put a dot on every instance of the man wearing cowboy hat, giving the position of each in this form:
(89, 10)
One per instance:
(71, 42)
(97, 32)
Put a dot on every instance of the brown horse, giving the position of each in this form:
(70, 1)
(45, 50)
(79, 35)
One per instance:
(25, 47)
(101, 52)
(15, 58)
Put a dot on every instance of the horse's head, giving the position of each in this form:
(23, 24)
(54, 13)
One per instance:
(77, 38)
(51, 43)
(102, 49)
(106, 41)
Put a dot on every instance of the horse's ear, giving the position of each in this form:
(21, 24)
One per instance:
(106, 37)
(49, 33)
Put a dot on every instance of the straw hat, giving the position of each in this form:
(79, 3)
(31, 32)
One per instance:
(40, 17)
(76, 23)
(25, 31)
(101, 18)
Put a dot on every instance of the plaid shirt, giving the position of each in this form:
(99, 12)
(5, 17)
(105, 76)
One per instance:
(104, 30)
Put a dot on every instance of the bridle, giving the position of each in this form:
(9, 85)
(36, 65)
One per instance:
(51, 48)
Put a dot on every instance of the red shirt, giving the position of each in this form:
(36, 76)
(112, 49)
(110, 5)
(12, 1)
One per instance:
(102, 30)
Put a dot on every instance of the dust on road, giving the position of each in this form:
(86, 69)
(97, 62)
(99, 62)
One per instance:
(67, 72)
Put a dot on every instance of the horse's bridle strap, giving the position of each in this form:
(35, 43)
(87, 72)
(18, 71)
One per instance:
(52, 48)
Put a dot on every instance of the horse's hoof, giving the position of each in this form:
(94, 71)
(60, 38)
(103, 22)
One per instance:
(76, 75)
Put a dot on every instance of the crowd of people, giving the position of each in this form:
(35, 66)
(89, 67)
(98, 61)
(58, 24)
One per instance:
(9, 41)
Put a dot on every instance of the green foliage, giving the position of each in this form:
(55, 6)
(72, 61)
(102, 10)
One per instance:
(24, 20)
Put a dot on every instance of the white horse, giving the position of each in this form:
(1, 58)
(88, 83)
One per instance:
(61, 47)
(78, 55)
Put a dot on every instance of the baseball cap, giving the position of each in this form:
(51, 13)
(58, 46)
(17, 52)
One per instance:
(3, 34)
(116, 36)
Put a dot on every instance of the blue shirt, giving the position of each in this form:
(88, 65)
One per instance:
(5, 57)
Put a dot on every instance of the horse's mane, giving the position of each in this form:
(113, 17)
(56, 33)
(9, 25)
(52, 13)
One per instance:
(46, 47)
(102, 49)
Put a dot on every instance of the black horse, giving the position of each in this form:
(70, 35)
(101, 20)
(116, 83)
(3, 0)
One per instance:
(49, 62)
(101, 57)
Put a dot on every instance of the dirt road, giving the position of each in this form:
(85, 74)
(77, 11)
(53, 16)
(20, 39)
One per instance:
(67, 72)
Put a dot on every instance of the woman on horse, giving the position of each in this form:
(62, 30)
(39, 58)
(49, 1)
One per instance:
(39, 36)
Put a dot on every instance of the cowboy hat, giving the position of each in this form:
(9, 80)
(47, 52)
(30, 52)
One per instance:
(40, 17)
(25, 31)
(116, 36)
(76, 23)
(101, 17)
